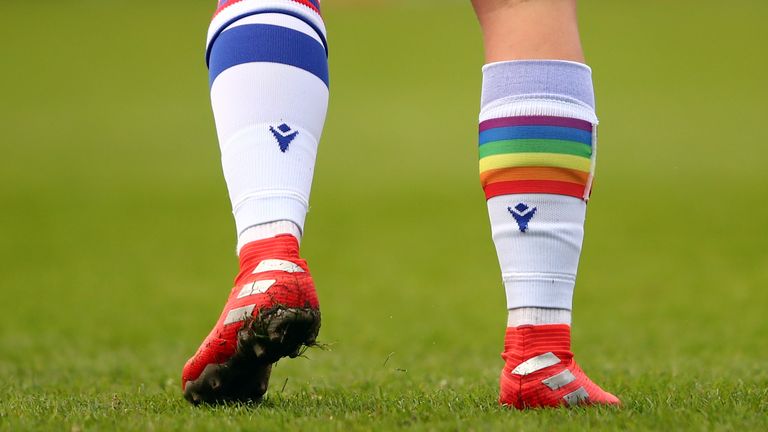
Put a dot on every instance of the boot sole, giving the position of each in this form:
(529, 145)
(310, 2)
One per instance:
(275, 333)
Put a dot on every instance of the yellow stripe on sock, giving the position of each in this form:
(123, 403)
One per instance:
(535, 159)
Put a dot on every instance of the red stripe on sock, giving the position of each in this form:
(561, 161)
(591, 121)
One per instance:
(231, 2)
(534, 186)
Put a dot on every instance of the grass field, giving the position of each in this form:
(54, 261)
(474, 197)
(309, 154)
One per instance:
(116, 241)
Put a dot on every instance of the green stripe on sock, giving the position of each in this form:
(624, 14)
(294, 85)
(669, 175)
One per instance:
(535, 146)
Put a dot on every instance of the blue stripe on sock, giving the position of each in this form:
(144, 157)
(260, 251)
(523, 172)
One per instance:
(244, 15)
(267, 43)
(536, 132)
(315, 3)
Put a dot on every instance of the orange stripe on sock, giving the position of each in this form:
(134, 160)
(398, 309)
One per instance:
(533, 173)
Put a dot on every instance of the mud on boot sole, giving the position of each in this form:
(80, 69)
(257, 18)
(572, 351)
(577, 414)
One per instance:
(275, 333)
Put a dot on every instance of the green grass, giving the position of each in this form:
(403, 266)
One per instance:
(116, 243)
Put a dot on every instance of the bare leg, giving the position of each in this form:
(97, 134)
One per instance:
(538, 29)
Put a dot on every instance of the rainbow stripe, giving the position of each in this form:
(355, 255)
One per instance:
(536, 154)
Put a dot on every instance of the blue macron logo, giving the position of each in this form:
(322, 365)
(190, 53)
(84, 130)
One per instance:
(523, 215)
(284, 136)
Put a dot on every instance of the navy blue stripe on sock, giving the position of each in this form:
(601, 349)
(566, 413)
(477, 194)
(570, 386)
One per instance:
(315, 3)
(253, 43)
(247, 14)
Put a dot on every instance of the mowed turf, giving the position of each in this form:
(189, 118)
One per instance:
(117, 248)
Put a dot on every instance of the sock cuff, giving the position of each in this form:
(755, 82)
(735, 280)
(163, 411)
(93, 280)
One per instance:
(266, 231)
(230, 11)
(540, 291)
(537, 316)
(271, 208)
(556, 80)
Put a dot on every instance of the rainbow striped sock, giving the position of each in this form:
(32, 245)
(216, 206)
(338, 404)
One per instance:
(537, 157)
(536, 154)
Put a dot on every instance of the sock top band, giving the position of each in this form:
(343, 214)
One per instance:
(547, 79)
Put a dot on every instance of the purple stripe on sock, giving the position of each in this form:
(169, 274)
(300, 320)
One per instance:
(536, 121)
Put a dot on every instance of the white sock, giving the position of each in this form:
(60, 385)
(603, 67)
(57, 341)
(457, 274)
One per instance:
(537, 148)
(269, 92)
(537, 316)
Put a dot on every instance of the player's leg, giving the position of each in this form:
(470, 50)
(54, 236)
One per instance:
(537, 158)
(268, 72)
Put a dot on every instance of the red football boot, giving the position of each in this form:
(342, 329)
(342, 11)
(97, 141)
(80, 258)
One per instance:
(540, 370)
(272, 312)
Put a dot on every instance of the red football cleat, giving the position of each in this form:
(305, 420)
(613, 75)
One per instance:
(272, 312)
(540, 370)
